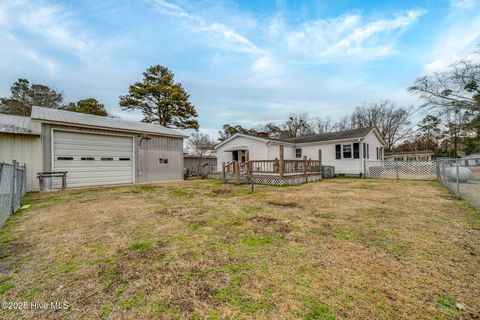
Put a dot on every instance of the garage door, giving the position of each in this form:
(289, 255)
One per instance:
(93, 159)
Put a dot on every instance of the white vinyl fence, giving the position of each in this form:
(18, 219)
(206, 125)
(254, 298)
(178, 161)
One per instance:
(462, 176)
(401, 170)
(12, 189)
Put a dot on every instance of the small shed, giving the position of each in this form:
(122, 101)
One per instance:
(192, 163)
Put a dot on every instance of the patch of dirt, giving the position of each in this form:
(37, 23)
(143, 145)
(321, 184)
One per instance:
(179, 212)
(264, 225)
(285, 204)
(222, 191)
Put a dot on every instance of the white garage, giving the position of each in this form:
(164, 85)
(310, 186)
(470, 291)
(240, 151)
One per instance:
(93, 159)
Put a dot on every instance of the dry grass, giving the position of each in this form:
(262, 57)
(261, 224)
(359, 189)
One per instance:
(342, 248)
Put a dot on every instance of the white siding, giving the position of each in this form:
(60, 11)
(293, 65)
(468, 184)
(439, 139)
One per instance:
(258, 150)
(374, 143)
(342, 166)
(25, 149)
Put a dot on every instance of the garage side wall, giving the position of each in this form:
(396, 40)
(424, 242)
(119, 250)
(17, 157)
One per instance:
(158, 159)
(25, 149)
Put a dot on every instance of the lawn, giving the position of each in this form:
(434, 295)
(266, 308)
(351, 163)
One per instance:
(334, 249)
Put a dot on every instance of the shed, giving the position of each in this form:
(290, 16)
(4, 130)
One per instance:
(97, 150)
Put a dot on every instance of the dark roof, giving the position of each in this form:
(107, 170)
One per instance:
(339, 135)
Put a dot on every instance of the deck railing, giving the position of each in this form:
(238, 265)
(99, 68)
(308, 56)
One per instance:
(279, 167)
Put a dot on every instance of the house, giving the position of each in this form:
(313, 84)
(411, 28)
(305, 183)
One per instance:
(344, 150)
(93, 150)
(424, 155)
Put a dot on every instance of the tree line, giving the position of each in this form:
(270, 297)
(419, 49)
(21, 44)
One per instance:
(160, 99)
(23, 96)
(450, 126)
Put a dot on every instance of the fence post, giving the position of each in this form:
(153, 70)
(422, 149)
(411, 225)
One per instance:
(14, 182)
(223, 170)
(396, 168)
(458, 184)
(282, 163)
(305, 163)
(237, 172)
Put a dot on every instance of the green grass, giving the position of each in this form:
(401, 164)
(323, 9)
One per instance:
(140, 245)
(341, 248)
(68, 267)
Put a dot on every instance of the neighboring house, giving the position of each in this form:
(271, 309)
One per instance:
(208, 164)
(345, 150)
(93, 150)
(425, 155)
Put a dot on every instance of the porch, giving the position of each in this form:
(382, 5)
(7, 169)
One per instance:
(273, 172)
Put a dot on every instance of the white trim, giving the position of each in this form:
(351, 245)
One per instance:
(351, 151)
(133, 160)
(95, 133)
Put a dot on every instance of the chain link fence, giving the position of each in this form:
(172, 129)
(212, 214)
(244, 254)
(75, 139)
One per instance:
(12, 189)
(401, 170)
(462, 176)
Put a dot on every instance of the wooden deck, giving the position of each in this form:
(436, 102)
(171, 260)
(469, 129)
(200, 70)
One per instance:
(273, 172)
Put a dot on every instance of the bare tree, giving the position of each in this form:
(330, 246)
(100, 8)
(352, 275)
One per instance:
(297, 125)
(392, 121)
(344, 123)
(324, 125)
(455, 95)
(201, 144)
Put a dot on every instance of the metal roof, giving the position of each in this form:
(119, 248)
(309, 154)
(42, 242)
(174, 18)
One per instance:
(339, 135)
(18, 125)
(74, 118)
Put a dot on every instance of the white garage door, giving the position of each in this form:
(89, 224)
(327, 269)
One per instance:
(93, 159)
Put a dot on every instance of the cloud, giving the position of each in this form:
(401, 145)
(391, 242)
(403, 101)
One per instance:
(51, 22)
(456, 41)
(463, 4)
(224, 36)
(349, 35)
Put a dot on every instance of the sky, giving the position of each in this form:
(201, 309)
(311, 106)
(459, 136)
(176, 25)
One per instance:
(242, 62)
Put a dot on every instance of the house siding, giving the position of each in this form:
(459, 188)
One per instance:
(26, 150)
(258, 150)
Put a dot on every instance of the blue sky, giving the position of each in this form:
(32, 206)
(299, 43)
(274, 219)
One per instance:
(243, 62)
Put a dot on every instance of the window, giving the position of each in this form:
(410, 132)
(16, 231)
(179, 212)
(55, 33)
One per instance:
(124, 159)
(64, 158)
(298, 153)
(364, 150)
(356, 151)
(163, 160)
(106, 159)
(347, 151)
(377, 153)
(87, 158)
(338, 151)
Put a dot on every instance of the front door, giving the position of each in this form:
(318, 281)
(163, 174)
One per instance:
(238, 155)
